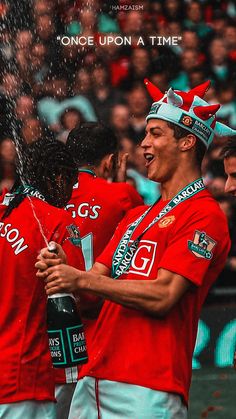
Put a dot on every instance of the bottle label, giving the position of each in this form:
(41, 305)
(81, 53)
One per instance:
(57, 347)
(77, 344)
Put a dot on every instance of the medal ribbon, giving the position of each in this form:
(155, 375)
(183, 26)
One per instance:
(23, 190)
(124, 253)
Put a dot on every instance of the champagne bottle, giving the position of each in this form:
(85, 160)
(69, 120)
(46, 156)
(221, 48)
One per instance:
(65, 329)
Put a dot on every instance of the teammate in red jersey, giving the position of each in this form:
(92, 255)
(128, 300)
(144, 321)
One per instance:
(27, 377)
(97, 206)
(154, 274)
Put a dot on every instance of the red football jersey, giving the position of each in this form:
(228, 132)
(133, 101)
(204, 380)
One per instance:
(192, 241)
(25, 360)
(97, 207)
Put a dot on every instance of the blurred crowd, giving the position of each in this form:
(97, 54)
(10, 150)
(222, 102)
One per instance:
(47, 86)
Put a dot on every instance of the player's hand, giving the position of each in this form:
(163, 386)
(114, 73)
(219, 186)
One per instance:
(121, 168)
(47, 258)
(61, 278)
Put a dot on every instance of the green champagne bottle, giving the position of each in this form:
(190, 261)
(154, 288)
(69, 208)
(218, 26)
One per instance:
(65, 329)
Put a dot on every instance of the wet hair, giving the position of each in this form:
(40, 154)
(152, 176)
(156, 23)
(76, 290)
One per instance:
(180, 132)
(90, 142)
(229, 150)
(41, 163)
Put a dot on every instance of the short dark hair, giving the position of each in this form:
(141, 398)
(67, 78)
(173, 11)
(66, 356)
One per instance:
(180, 132)
(90, 142)
(229, 150)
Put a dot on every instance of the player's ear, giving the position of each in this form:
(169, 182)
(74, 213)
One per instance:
(106, 166)
(110, 162)
(188, 142)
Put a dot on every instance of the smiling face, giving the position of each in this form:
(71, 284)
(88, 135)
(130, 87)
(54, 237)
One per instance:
(230, 170)
(161, 151)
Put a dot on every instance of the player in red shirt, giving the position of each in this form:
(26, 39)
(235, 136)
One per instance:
(97, 206)
(155, 272)
(27, 377)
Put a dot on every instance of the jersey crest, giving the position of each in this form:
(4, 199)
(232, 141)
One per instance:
(202, 245)
(166, 221)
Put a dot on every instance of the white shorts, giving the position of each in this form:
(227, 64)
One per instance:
(103, 399)
(28, 409)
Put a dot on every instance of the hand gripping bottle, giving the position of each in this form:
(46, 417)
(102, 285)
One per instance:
(65, 329)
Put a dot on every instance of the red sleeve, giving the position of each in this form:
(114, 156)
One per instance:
(197, 244)
(129, 197)
(135, 198)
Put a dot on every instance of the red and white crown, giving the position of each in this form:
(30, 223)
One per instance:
(189, 111)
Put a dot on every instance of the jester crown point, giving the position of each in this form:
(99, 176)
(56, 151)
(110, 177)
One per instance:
(185, 100)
